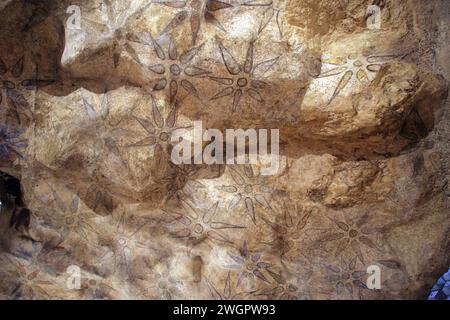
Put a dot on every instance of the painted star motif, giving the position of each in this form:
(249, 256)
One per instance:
(250, 265)
(197, 11)
(29, 279)
(181, 182)
(293, 222)
(355, 66)
(228, 292)
(174, 69)
(116, 29)
(247, 188)
(197, 227)
(71, 219)
(11, 86)
(241, 79)
(126, 243)
(353, 234)
(347, 279)
(98, 125)
(159, 131)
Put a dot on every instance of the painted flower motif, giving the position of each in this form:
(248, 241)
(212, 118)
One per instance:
(293, 286)
(102, 130)
(153, 134)
(361, 68)
(197, 227)
(125, 245)
(228, 292)
(71, 220)
(175, 70)
(290, 228)
(353, 234)
(197, 11)
(11, 87)
(28, 280)
(249, 264)
(115, 26)
(247, 188)
(346, 279)
(181, 182)
(241, 78)
(159, 131)
(10, 142)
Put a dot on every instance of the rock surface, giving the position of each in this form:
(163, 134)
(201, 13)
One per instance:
(87, 113)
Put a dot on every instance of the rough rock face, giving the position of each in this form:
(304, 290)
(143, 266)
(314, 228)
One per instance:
(88, 110)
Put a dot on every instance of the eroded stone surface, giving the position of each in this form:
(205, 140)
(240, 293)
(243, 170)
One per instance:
(88, 115)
